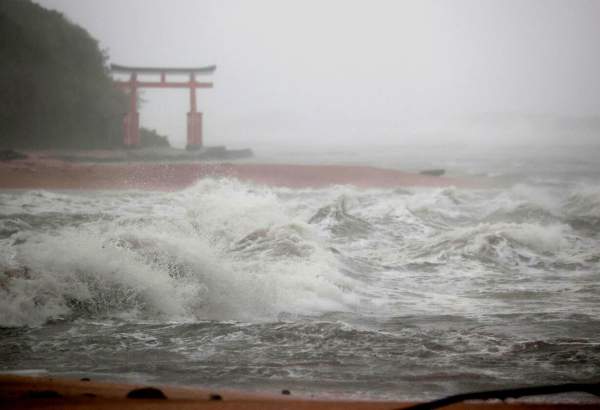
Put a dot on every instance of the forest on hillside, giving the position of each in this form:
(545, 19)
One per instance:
(55, 86)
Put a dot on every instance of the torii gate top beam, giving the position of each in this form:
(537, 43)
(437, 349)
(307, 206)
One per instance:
(159, 70)
(163, 84)
(163, 71)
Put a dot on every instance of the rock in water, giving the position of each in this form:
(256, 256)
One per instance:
(146, 393)
(433, 172)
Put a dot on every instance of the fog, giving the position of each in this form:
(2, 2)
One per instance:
(363, 72)
(417, 214)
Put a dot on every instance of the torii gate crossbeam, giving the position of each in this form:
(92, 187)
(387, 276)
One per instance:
(131, 122)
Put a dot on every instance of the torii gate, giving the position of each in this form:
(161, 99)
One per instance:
(131, 122)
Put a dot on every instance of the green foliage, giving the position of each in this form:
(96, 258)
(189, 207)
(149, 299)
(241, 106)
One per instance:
(151, 138)
(55, 87)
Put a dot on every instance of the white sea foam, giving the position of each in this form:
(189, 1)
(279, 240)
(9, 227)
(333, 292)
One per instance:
(228, 250)
(174, 257)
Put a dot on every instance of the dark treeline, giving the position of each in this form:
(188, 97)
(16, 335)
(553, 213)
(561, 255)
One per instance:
(55, 87)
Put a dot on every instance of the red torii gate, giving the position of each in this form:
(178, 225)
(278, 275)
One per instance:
(131, 122)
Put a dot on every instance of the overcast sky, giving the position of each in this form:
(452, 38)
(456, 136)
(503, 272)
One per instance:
(345, 71)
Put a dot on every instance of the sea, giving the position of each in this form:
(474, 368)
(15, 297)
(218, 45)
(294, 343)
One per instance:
(405, 293)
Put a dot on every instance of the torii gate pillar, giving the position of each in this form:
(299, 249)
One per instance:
(131, 120)
(194, 120)
(194, 130)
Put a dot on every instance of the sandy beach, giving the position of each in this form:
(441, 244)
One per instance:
(38, 172)
(46, 392)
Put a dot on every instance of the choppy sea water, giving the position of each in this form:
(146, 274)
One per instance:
(406, 293)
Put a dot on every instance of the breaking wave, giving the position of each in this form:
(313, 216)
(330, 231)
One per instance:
(220, 250)
(225, 250)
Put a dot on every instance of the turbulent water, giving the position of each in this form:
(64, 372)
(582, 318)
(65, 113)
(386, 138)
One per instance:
(406, 293)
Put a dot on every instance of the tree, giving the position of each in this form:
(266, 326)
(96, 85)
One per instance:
(55, 86)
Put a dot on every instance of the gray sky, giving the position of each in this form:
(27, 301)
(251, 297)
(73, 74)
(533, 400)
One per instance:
(341, 71)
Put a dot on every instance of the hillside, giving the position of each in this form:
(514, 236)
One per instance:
(55, 88)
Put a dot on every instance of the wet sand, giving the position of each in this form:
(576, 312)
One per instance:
(44, 173)
(49, 393)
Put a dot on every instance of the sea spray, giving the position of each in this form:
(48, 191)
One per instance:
(189, 257)
(372, 292)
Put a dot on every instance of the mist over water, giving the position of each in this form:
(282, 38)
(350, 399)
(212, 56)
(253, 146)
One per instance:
(359, 72)
(406, 293)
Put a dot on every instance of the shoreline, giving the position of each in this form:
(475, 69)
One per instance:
(55, 174)
(29, 392)
(36, 391)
